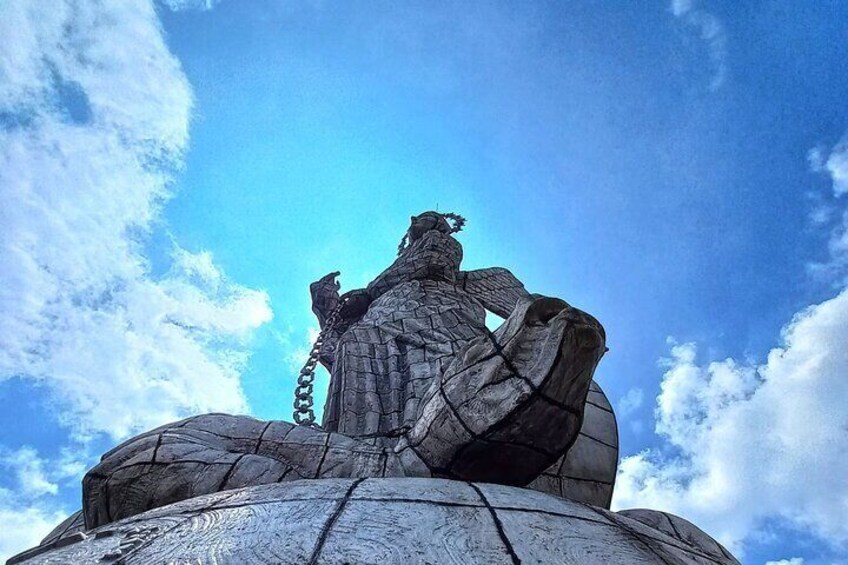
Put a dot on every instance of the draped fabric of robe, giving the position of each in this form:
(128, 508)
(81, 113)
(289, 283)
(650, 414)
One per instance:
(419, 318)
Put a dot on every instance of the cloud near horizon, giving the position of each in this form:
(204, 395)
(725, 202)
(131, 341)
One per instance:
(29, 510)
(749, 443)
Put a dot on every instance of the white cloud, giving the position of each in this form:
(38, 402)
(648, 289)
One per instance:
(834, 164)
(28, 469)
(748, 443)
(94, 117)
(298, 356)
(837, 166)
(178, 5)
(751, 442)
(816, 159)
(31, 510)
(72, 463)
(712, 32)
(793, 561)
(630, 402)
(24, 526)
(825, 214)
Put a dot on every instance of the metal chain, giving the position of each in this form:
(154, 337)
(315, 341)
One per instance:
(303, 413)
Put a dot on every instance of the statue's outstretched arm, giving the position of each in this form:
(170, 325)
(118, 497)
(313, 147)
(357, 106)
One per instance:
(511, 402)
(497, 289)
(325, 300)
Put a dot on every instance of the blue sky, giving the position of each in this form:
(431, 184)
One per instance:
(178, 174)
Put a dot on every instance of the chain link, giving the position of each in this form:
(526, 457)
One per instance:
(304, 415)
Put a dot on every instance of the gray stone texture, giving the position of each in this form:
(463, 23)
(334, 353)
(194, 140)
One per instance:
(586, 472)
(385, 521)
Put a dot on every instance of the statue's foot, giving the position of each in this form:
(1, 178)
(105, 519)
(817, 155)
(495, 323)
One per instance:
(216, 452)
(512, 401)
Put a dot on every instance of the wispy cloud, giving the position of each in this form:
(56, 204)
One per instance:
(298, 353)
(826, 214)
(753, 442)
(178, 5)
(25, 525)
(630, 402)
(28, 469)
(94, 117)
(711, 30)
(747, 443)
(833, 163)
(30, 509)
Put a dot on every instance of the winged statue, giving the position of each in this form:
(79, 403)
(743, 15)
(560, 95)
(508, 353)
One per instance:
(419, 386)
(426, 408)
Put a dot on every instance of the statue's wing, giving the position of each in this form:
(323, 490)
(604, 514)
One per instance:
(586, 472)
(496, 288)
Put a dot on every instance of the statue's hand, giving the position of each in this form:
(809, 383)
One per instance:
(356, 304)
(325, 294)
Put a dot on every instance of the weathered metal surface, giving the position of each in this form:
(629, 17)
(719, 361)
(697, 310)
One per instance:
(385, 521)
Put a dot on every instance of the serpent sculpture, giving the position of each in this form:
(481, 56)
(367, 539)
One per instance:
(426, 406)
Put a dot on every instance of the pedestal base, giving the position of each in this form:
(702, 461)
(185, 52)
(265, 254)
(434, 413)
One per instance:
(384, 521)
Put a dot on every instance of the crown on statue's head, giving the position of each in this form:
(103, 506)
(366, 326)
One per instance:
(446, 222)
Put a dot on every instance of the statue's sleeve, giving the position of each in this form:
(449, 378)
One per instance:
(497, 289)
(327, 355)
(512, 401)
(322, 307)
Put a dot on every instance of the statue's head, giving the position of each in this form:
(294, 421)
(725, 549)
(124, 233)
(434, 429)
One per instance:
(422, 223)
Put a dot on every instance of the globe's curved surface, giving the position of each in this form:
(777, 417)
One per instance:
(385, 521)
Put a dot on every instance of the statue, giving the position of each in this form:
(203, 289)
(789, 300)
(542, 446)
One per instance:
(423, 399)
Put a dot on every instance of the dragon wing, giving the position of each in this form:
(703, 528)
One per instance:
(496, 288)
